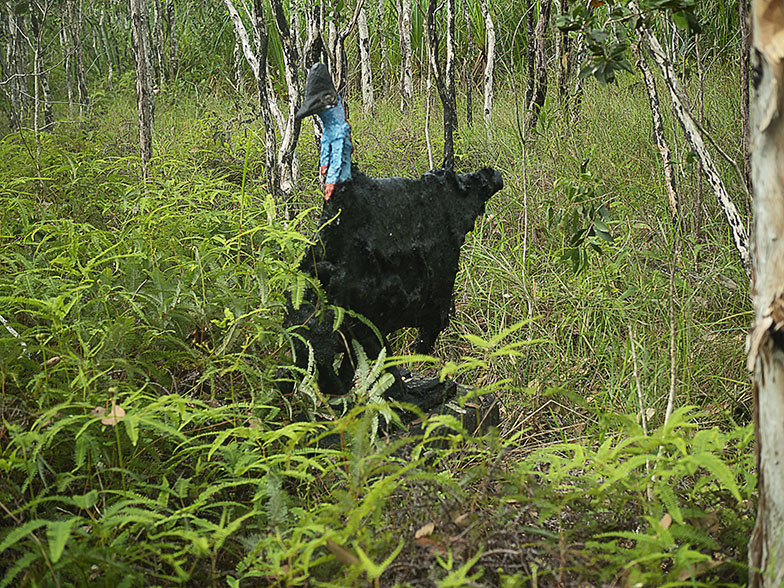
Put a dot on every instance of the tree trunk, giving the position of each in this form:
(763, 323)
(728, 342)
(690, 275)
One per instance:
(368, 100)
(288, 167)
(157, 42)
(14, 72)
(489, 65)
(539, 83)
(65, 43)
(766, 349)
(697, 214)
(313, 50)
(237, 61)
(531, 53)
(105, 45)
(428, 88)
(172, 28)
(40, 79)
(564, 61)
(406, 76)
(257, 60)
(382, 42)
(75, 31)
(658, 136)
(446, 88)
(450, 110)
(468, 66)
(697, 144)
(5, 76)
(270, 139)
(339, 69)
(144, 90)
(745, 41)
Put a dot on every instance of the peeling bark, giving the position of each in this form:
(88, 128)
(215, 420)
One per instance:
(339, 68)
(40, 78)
(658, 135)
(489, 65)
(288, 168)
(256, 56)
(65, 44)
(313, 50)
(766, 355)
(270, 139)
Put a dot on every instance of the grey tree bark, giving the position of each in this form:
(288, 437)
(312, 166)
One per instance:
(384, 70)
(467, 67)
(563, 58)
(157, 43)
(65, 44)
(105, 46)
(368, 99)
(74, 15)
(140, 40)
(338, 58)
(14, 67)
(766, 342)
(489, 66)
(270, 139)
(745, 43)
(406, 75)
(288, 167)
(537, 84)
(659, 139)
(172, 30)
(313, 49)
(256, 56)
(697, 144)
(444, 77)
(41, 94)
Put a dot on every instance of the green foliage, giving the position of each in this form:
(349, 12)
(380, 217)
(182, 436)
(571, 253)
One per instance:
(610, 29)
(584, 220)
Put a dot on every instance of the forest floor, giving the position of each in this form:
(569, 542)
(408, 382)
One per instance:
(143, 439)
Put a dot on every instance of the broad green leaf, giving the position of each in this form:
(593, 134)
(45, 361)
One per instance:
(57, 533)
(86, 501)
(132, 428)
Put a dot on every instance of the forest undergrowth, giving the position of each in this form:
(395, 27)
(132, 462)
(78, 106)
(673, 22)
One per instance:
(144, 442)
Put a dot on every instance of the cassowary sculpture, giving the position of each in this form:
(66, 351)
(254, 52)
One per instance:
(388, 250)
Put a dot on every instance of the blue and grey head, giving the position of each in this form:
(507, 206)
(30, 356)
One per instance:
(320, 92)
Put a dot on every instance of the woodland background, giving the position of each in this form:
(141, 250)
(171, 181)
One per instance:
(156, 195)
